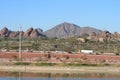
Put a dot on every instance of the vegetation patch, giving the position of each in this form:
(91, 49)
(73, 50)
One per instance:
(45, 64)
(64, 64)
(85, 64)
(22, 63)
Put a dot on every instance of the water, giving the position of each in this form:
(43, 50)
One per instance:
(58, 76)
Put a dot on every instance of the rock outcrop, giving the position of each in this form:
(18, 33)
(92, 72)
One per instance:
(28, 32)
(64, 30)
(34, 34)
(106, 35)
(93, 36)
(116, 35)
(14, 34)
(4, 32)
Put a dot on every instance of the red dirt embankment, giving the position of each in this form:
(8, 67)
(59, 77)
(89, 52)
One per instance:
(85, 57)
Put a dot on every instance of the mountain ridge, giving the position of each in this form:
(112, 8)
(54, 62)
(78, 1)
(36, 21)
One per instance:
(66, 29)
(62, 30)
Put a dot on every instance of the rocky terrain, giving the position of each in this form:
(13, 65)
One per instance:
(62, 30)
(65, 30)
(30, 33)
(33, 33)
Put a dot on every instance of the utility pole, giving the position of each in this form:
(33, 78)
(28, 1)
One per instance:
(20, 44)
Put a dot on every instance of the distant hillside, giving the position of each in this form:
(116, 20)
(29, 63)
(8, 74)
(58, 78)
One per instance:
(88, 30)
(65, 30)
(30, 33)
(33, 33)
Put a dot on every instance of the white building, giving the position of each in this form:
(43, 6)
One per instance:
(87, 51)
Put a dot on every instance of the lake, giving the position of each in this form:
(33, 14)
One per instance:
(58, 76)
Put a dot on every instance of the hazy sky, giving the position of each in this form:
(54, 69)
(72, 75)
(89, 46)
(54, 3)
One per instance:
(45, 14)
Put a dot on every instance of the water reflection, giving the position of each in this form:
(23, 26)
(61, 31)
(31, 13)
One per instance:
(58, 76)
(20, 76)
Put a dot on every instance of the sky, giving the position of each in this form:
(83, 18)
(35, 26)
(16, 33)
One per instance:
(45, 14)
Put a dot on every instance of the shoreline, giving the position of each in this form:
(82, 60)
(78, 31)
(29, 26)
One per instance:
(60, 69)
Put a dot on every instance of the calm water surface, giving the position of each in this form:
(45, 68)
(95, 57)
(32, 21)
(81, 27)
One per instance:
(58, 76)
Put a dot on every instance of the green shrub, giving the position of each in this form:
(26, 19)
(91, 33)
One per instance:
(45, 64)
(22, 63)
(85, 64)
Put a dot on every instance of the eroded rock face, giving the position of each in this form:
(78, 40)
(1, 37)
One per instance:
(4, 32)
(64, 30)
(34, 34)
(28, 32)
(116, 35)
(13, 34)
(106, 35)
(93, 36)
(40, 31)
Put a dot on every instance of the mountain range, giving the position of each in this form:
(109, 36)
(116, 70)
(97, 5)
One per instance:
(66, 29)
(62, 30)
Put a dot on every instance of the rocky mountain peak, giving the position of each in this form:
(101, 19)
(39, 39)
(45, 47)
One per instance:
(63, 30)
(40, 31)
(5, 29)
(34, 33)
(28, 32)
(4, 32)
(66, 29)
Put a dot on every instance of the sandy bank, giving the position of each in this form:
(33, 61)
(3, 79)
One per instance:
(56, 69)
